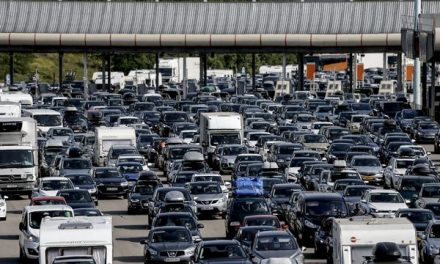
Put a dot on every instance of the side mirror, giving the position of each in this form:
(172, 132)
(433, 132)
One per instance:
(143, 242)
(363, 201)
(200, 225)
(428, 153)
(148, 227)
(204, 144)
(198, 240)
(21, 226)
(96, 202)
(422, 236)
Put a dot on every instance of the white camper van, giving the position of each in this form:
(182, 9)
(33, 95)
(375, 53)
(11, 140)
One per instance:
(83, 236)
(46, 118)
(353, 238)
(105, 137)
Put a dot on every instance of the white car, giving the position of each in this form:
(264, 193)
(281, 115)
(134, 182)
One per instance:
(395, 170)
(133, 158)
(382, 203)
(49, 186)
(3, 208)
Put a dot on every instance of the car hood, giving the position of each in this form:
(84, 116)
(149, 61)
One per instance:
(75, 171)
(167, 246)
(141, 196)
(85, 186)
(368, 169)
(434, 242)
(208, 197)
(316, 145)
(75, 205)
(47, 193)
(388, 206)
(352, 199)
(276, 253)
(131, 176)
(429, 200)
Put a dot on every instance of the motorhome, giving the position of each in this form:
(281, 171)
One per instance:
(46, 118)
(84, 236)
(354, 238)
(22, 98)
(117, 80)
(145, 77)
(387, 87)
(333, 88)
(282, 88)
(10, 109)
(18, 155)
(105, 137)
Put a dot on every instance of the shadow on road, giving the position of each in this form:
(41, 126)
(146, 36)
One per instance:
(132, 227)
(132, 239)
(8, 237)
(8, 260)
(129, 259)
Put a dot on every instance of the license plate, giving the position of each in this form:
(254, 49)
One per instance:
(368, 178)
(112, 189)
(207, 208)
(11, 186)
(172, 259)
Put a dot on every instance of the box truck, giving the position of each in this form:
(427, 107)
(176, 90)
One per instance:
(172, 69)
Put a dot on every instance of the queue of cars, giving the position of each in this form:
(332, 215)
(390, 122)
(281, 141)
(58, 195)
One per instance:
(295, 164)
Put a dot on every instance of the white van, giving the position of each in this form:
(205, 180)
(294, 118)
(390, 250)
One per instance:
(77, 236)
(21, 98)
(46, 118)
(105, 137)
(10, 109)
(30, 224)
(354, 238)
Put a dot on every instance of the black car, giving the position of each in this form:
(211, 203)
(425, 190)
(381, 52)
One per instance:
(179, 219)
(241, 207)
(78, 198)
(168, 244)
(409, 187)
(311, 208)
(140, 195)
(337, 151)
(110, 182)
(280, 195)
(83, 182)
(87, 212)
(220, 252)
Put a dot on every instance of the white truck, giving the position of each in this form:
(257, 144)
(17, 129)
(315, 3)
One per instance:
(172, 69)
(22, 98)
(76, 236)
(333, 87)
(220, 128)
(215, 73)
(105, 137)
(46, 118)
(387, 87)
(10, 109)
(353, 238)
(117, 80)
(18, 155)
(145, 77)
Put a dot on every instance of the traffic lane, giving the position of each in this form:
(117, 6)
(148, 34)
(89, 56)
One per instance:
(9, 233)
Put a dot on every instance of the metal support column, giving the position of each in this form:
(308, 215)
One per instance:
(432, 91)
(284, 67)
(351, 75)
(11, 67)
(399, 72)
(60, 68)
(86, 76)
(185, 77)
(416, 75)
(201, 68)
(253, 72)
(109, 70)
(103, 72)
(385, 66)
(301, 72)
(205, 69)
(157, 70)
(424, 79)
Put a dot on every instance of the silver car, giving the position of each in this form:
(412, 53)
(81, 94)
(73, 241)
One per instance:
(369, 168)
(209, 197)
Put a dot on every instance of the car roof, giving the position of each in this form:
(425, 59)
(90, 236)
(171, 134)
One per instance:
(49, 207)
(53, 179)
(220, 242)
(273, 233)
(320, 195)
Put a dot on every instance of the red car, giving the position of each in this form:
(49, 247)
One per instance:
(264, 220)
(48, 200)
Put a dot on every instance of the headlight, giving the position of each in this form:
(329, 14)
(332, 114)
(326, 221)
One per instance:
(124, 183)
(280, 160)
(189, 251)
(310, 224)
(152, 252)
(194, 238)
(32, 238)
(29, 177)
(2, 203)
(373, 210)
(93, 190)
(134, 200)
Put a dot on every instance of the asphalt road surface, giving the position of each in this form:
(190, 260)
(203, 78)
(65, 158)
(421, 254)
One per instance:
(128, 230)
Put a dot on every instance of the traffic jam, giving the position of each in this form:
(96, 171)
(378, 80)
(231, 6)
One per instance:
(322, 174)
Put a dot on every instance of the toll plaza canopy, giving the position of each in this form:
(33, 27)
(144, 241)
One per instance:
(229, 26)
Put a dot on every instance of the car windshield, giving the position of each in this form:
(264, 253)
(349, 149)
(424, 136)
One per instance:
(107, 173)
(250, 206)
(365, 162)
(130, 168)
(275, 243)
(48, 202)
(356, 119)
(77, 164)
(325, 207)
(188, 134)
(340, 147)
(233, 151)
(145, 188)
(403, 164)
(62, 132)
(205, 189)
(354, 192)
(223, 252)
(417, 216)
(176, 220)
(250, 158)
(178, 153)
(287, 150)
(223, 139)
(48, 120)
(434, 207)
(16, 158)
(209, 178)
(137, 160)
(80, 179)
(428, 126)
(284, 192)
(263, 221)
(324, 109)
(295, 162)
(87, 212)
(386, 198)
(171, 236)
(314, 139)
(431, 192)
(435, 231)
(175, 117)
(36, 217)
(51, 185)
(357, 107)
(76, 197)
